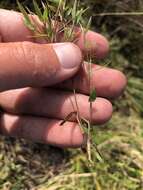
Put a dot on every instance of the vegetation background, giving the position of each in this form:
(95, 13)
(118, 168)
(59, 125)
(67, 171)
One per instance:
(25, 165)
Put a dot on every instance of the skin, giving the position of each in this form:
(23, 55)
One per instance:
(36, 79)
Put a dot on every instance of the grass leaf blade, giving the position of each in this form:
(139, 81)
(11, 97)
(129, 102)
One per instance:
(27, 20)
(88, 25)
(37, 10)
(92, 96)
(74, 10)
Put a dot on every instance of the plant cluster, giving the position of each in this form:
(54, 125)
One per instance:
(57, 18)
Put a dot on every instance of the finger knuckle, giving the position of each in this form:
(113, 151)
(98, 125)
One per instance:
(35, 58)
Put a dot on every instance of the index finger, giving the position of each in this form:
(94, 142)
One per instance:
(12, 29)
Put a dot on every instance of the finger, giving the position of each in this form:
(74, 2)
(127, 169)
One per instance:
(98, 45)
(109, 83)
(54, 104)
(12, 29)
(25, 64)
(40, 129)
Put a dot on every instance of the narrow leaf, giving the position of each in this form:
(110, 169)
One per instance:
(37, 10)
(79, 15)
(27, 20)
(88, 25)
(45, 15)
(23, 11)
(74, 10)
(69, 11)
(92, 96)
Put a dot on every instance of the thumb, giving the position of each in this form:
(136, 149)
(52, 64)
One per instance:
(25, 64)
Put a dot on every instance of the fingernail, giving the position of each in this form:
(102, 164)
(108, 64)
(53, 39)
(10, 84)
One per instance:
(69, 55)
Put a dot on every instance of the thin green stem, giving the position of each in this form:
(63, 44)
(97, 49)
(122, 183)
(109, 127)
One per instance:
(119, 14)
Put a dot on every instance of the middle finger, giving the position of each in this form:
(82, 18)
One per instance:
(109, 83)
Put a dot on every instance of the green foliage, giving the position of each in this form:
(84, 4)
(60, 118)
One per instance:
(92, 96)
(58, 19)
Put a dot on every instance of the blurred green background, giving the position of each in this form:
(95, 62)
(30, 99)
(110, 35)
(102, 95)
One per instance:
(26, 165)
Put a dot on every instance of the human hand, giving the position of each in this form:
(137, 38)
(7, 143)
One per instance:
(33, 112)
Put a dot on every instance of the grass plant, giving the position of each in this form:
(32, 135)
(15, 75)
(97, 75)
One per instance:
(27, 165)
(59, 22)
